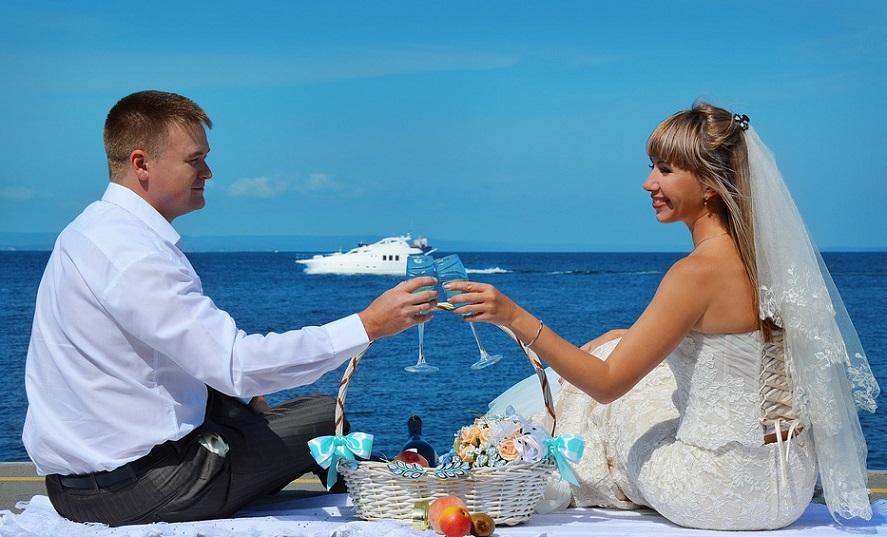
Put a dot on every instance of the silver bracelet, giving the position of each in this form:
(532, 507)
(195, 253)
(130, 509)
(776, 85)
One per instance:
(528, 345)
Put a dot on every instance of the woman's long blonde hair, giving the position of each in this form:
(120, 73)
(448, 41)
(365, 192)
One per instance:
(708, 141)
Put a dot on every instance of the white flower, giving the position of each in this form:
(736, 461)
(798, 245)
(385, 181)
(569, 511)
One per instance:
(504, 429)
(529, 448)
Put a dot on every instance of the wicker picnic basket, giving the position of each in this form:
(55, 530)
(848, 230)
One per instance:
(508, 494)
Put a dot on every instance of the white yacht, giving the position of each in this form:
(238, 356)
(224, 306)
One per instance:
(388, 256)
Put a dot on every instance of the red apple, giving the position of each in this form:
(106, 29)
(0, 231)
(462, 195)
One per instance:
(410, 456)
(455, 521)
(438, 506)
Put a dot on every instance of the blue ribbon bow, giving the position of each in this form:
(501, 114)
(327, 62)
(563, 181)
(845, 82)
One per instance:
(564, 448)
(327, 450)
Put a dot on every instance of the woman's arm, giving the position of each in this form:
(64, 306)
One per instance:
(610, 335)
(679, 302)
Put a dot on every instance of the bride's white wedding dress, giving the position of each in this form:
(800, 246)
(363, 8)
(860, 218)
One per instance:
(688, 441)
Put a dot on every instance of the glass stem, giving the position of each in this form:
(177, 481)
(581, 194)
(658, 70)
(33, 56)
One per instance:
(421, 343)
(477, 339)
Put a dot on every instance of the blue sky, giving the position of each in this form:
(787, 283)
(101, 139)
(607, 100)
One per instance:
(512, 125)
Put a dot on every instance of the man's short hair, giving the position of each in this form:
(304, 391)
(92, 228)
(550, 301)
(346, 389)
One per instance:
(141, 121)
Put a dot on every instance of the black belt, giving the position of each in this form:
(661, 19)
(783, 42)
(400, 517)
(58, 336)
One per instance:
(130, 471)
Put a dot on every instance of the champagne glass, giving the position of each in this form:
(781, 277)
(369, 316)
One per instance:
(421, 265)
(451, 269)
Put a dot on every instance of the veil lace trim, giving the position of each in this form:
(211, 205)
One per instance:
(830, 373)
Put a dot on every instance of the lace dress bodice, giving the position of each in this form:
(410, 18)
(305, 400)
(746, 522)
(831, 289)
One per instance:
(718, 383)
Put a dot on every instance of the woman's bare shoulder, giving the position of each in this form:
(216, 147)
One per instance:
(694, 268)
(703, 277)
(718, 280)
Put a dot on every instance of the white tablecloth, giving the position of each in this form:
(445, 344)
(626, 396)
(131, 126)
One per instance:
(331, 516)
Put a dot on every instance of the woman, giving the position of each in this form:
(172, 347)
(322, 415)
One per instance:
(741, 376)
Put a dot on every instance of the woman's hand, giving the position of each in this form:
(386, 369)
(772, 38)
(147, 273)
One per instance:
(603, 338)
(483, 302)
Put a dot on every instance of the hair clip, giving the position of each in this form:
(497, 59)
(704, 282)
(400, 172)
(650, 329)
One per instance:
(742, 120)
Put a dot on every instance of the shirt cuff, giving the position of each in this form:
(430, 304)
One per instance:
(347, 335)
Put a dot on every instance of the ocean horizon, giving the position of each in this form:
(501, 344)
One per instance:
(580, 295)
(323, 244)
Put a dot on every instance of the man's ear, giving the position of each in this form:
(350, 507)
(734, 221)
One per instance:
(138, 160)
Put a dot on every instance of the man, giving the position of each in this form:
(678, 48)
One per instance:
(144, 398)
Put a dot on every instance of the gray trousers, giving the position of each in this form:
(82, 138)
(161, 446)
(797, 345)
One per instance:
(266, 452)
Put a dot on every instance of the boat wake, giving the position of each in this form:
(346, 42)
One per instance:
(494, 270)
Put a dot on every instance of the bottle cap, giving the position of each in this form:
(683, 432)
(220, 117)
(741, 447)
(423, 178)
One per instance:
(420, 516)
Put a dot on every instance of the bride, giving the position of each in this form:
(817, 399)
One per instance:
(739, 383)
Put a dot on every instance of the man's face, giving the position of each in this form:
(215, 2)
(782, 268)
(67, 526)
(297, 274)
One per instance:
(176, 177)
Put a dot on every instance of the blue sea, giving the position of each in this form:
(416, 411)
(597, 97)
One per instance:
(580, 295)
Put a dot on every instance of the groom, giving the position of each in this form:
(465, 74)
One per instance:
(144, 398)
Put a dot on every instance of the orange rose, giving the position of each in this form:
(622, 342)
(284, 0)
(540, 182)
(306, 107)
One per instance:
(471, 435)
(466, 453)
(508, 450)
(483, 435)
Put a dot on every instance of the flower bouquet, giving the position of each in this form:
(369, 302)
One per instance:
(494, 441)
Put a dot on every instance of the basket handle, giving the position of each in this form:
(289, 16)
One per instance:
(540, 372)
(531, 356)
(343, 389)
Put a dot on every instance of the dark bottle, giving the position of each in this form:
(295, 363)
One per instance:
(414, 428)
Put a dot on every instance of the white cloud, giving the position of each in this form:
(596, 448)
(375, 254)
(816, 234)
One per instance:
(319, 182)
(17, 193)
(258, 187)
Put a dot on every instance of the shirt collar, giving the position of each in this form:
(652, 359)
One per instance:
(130, 201)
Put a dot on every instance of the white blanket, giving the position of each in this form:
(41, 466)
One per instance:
(331, 516)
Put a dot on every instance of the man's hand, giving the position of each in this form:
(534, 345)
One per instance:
(258, 405)
(400, 308)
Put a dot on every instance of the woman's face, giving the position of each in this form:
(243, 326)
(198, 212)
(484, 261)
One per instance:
(677, 194)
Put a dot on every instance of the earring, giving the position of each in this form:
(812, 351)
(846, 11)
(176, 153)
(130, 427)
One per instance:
(705, 201)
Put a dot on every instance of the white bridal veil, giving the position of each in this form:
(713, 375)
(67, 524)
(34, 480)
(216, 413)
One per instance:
(832, 377)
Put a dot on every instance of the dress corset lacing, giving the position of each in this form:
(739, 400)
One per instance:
(777, 402)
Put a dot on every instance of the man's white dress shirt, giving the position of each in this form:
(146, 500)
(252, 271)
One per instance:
(124, 343)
